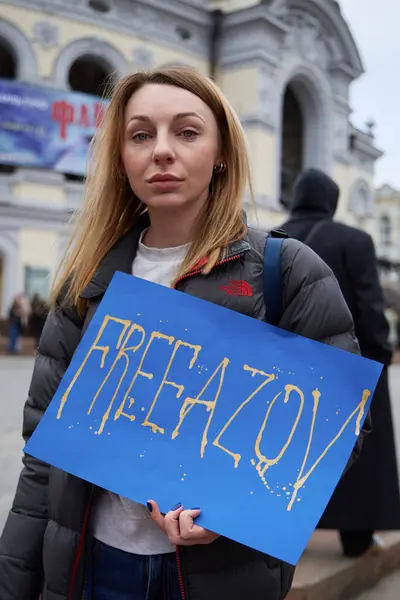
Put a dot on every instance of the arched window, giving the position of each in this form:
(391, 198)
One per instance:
(8, 61)
(91, 75)
(385, 232)
(87, 65)
(8, 70)
(304, 129)
(101, 6)
(292, 144)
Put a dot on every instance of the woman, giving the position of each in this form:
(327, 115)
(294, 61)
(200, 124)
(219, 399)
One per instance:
(164, 202)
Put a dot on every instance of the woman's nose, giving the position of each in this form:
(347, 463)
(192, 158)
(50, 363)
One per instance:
(163, 151)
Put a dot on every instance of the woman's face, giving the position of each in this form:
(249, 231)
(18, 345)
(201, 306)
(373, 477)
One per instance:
(170, 147)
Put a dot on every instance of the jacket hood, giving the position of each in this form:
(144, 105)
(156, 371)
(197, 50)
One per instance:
(316, 192)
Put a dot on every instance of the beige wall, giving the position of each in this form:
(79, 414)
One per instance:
(265, 219)
(388, 205)
(346, 177)
(231, 5)
(262, 152)
(241, 88)
(37, 248)
(38, 194)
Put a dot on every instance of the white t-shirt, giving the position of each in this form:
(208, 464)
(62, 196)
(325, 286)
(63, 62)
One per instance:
(117, 521)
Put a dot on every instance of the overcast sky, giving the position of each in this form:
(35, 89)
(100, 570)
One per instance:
(375, 25)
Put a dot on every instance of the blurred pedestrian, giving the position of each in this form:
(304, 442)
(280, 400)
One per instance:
(367, 498)
(18, 316)
(39, 310)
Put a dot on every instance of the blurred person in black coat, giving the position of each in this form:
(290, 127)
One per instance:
(367, 498)
(39, 311)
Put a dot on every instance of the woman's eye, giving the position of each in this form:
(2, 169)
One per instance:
(140, 137)
(188, 133)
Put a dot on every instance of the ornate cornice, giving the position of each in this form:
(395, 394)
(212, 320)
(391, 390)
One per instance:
(239, 57)
(251, 35)
(15, 216)
(336, 31)
(184, 26)
(259, 13)
(257, 121)
(363, 145)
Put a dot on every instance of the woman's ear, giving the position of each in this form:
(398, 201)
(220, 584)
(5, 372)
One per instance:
(219, 159)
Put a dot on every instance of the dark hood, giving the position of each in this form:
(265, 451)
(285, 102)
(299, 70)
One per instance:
(314, 192)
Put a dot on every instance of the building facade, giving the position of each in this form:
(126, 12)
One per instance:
(387, 242)
(387, 212)
(285, 65)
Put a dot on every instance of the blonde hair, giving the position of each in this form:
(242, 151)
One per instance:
(110, 208)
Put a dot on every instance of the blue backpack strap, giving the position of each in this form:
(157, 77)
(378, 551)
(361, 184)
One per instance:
(273, 276)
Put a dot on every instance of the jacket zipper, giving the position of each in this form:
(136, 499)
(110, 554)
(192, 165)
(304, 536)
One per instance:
(180, 574)
(190, 274)
(79, 550)
(200, 271)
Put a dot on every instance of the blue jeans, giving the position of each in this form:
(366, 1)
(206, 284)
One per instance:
(14, 333)
(117, 575)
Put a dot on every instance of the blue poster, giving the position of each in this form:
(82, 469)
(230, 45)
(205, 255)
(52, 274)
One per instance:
(47, 128)
(172, 398)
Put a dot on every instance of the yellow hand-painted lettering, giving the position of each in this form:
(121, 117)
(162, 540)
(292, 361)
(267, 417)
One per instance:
(236, 457)
(180, 388)
(210, 405)
(301, 479)
(93, 348)
(132, 338)
(155, 335)
(122, 353)
(263, 462)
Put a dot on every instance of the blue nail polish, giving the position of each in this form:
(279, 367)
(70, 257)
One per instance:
(176, 506)
(197, 508)
(149, 506)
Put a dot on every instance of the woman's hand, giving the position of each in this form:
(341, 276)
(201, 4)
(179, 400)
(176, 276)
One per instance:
(180, 527)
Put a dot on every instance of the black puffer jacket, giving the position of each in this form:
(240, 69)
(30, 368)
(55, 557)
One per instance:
(43, 546)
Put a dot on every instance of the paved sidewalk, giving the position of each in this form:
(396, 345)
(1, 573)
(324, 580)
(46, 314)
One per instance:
(27, 346)
(324, 574)
(388, 589)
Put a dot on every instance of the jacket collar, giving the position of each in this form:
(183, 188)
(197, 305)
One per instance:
(120, 258)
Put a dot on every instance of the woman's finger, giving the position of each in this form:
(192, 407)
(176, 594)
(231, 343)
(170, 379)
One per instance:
(155, 514)
(179, 525)
(186, 522)
(172, 527)
(190, 533)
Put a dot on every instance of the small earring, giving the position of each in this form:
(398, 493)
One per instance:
(220, 169)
